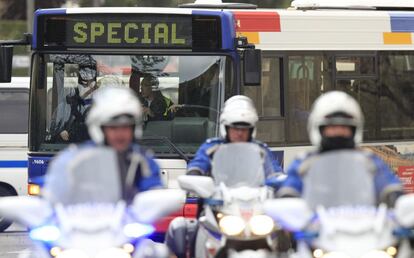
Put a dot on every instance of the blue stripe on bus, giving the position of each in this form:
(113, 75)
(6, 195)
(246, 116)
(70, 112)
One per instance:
(227, 28)
(402, 22)
(13, 163)
(41, 12)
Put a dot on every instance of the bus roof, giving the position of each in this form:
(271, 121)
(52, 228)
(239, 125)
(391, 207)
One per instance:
(291, 29)
(381, 4)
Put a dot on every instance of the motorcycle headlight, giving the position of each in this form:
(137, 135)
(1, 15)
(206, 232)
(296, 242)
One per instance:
(113, 253)
(318, 253)
(261, 225)
(335, 255)
(376, 254)
(136, 230)
(232, 225)
(45, 233)
(72, 253)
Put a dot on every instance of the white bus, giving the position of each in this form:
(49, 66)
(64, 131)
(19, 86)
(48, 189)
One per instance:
(14, 109)
(364, 48)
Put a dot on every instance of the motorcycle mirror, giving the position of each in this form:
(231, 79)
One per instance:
(149, 206)
(404, 210)
(291, 213)
(203, 186)
(26, 210)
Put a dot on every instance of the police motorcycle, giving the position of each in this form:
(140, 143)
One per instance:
(338, 216)
(103, 228)
(232, 220)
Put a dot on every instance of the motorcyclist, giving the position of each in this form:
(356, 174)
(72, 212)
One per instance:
(238, 121)
(114, 121)
(336, 124)
(237, 124)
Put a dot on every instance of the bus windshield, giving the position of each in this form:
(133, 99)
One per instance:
(179, 96)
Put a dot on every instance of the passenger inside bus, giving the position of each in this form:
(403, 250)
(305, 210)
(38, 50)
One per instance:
(156, 106)
(70, 126)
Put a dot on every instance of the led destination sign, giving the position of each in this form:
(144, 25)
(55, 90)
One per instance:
(144, 31)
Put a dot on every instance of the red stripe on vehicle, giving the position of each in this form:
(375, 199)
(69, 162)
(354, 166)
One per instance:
(257, 21)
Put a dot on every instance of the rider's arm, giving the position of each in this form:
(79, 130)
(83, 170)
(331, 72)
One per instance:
(293, 185)
(387, 185)
(201, 163)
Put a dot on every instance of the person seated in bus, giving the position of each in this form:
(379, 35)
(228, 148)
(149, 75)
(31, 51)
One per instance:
(114, 121)
(336, 125)
(73, 128)
(155, 105)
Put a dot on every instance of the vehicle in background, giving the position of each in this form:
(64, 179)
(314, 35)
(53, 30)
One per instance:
(14, 110)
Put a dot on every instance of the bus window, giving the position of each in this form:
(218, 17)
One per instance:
(308, 78)
(192, 86)
(365, 91)
(268, 101)
(396, 102)
(14, 106)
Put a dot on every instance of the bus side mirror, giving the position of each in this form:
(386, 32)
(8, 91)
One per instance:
(252, 67)
(6, 58)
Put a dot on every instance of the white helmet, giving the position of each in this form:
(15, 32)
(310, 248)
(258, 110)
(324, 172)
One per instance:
(335, 108)
(110, 103)
(238, 109)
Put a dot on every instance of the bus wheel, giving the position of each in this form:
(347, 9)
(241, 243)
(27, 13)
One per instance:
(5, 191)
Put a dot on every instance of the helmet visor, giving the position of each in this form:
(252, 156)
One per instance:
(121, 120)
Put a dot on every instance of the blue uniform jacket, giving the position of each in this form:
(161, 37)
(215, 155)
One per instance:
(202, 160)
(56, 181)
(385, 181)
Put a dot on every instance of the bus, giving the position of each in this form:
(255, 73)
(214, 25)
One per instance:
(14, 106)
(194, 53)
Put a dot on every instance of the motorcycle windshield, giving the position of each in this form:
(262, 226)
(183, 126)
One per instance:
(339, 178)
(94, 177)
(238, 164)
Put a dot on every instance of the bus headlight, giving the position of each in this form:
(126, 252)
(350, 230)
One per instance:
(232, 225)
(33, 189)
(261, 225)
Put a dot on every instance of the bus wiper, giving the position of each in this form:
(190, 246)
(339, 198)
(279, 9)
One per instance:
(169, 143)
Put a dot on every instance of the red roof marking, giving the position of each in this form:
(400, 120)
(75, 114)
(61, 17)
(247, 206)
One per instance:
(257, 21)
